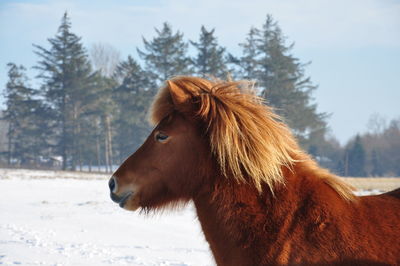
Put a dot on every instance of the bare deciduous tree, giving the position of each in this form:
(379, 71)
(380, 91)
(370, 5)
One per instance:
(376, 123)
(104, 58)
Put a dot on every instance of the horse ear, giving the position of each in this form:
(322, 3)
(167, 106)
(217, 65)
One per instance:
(179, 95)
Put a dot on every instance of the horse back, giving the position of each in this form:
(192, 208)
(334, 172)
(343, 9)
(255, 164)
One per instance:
(371, 229)
(394, 193)
(387, 204)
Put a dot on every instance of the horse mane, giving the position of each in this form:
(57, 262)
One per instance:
(250, 141)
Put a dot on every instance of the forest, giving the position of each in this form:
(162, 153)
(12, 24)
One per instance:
(88, 107)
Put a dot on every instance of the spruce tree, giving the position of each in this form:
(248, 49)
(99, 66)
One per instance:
(248, 62)
(133, 96)
(26, 128)
(356, 158)
(211, 59)
(377, 169)
(281, 80)
(390, 151)
(284, 84)
(67, 83)
(340, 168)
(166, 55)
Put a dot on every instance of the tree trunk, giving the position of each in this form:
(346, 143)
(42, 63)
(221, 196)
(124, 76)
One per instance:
(80, 159)
(346, 164)
(106, 154)
(64, 128)
(63, 143)
(98, 145)
(77, 138)
(109, 142)
(9, 148)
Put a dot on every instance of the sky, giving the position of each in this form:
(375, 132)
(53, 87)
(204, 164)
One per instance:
(353, 45)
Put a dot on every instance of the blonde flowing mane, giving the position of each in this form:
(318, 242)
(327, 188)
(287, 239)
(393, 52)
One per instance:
(248, 139)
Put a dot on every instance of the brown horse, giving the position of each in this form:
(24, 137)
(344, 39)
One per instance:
(260, 199)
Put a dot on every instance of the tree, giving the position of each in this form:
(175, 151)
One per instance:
(376, 124)
(284, 84)
(211, 59)
(356, 158)
(248, 62)
(281, 80)
(67, 82)
(104, 58)
(377, 169)
(133, 96)
(166, 55)
(101, 114)
(340, 168)
(23, 114)
(390, 153)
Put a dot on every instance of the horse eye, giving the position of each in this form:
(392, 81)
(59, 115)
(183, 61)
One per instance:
(161, 137)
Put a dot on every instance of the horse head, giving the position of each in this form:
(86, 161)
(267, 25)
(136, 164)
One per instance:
(171, 165)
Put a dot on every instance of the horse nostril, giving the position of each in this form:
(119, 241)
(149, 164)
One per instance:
(112, 184)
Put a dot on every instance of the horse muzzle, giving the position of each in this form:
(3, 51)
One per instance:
(128, 200)
(121, 200)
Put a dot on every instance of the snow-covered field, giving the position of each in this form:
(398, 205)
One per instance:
(46, 220)
(67, 218)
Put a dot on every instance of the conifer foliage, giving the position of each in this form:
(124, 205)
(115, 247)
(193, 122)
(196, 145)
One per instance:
(67, 81)
(211, 59)
(281, 79)
(248, 62)
(133, 97)
(356, 158)
(166, 55)
(23, 113)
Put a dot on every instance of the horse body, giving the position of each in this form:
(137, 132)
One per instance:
(260, 199)
(305, 223)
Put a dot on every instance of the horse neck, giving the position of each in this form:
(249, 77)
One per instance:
(236, 217)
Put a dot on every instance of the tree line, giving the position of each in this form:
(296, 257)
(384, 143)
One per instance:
(90, 108)
(374, 153)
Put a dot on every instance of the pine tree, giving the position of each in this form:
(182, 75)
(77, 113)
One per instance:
(281, 79)
(390, 153)
(23, 114)
(67, 82)
(166, 55)
(340, 168)
(248, 62)
(211, 59)
(133, 96)
(356, 158)
(284, 85)
(377, 169)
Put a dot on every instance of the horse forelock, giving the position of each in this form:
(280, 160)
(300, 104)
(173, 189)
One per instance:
(250, 141)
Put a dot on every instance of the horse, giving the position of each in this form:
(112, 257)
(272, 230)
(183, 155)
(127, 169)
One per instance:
(260, 199)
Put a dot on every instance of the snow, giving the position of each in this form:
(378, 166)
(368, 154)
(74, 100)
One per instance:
(67, 218)
(368, 192)
(61, 218)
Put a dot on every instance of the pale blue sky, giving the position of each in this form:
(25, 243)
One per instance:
(354, 45)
